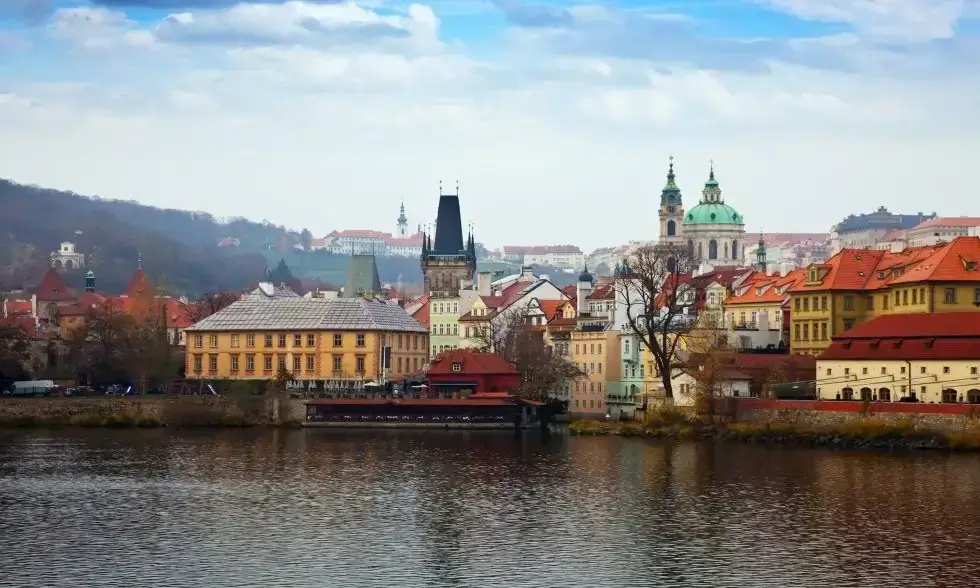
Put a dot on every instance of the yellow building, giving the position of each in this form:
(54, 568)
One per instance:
(476, 323)
(596, 352)
(931, 358)
(340, 340)
(856, 285)
(754, 311)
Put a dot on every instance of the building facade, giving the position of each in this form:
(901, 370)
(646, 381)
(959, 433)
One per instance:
(917, 357)
(339, 344)
(66, 257)
(865, 231)
(713, 230)
(856, 285)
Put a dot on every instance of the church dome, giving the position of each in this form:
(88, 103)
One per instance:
(712, 209)
(713, 213)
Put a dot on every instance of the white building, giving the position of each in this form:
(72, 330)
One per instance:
(66, 257)
(566, 257)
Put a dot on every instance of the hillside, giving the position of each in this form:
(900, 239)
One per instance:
(178, 245)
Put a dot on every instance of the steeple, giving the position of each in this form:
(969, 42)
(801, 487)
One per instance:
(711, 192)
(760, 253)
(671, 194)
(402, 222)
(449, 226)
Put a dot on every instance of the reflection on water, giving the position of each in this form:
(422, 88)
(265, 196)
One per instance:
(484, 509)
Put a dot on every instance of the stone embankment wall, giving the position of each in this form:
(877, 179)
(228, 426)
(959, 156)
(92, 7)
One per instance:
(151, 411)
(948, 417)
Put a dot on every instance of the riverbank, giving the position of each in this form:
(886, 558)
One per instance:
(151, 411)
(859, 434)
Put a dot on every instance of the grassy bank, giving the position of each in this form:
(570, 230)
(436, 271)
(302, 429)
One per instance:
(860, 434)
(137, 412)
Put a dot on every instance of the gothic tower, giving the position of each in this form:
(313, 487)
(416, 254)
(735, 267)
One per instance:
(402, 223)
(671, 211)
(448, 262)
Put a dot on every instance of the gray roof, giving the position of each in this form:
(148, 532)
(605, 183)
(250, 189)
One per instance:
(253, 313)
(269, 290)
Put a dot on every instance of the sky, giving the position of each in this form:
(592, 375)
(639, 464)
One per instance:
(556, 118)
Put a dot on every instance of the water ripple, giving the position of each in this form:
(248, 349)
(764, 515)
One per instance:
(431, 509)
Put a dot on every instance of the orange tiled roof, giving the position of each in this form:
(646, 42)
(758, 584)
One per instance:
(760, 288)
(550, 307)
(949, 221)
(18, 307)
(947, 335)
(422, 313)
(864, 269)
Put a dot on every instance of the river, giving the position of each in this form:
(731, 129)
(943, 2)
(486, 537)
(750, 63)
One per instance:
(406, 509)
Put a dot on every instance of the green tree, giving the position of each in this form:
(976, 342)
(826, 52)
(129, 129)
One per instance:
(306, 239)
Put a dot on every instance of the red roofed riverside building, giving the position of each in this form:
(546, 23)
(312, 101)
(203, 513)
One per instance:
(459, 373)
(857, 285)
(926, 357)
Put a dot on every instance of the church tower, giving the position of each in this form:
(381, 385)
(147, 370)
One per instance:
(447, 262)
(402, 223)
(671, 211)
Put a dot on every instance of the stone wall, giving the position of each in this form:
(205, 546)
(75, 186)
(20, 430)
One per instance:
(946, 417)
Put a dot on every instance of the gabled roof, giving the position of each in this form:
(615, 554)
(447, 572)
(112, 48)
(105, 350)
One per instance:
(762, 289)
(956, 261)
(138, 284)
(53, 288)
(470, 362)
(421, 314)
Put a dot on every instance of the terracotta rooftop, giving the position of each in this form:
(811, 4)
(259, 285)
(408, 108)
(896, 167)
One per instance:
(762, 289)
(471, 362)
(948, 335)
(949, 222)
(53, 288)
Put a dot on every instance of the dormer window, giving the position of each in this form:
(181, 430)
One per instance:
(457, 367)
(881, 275)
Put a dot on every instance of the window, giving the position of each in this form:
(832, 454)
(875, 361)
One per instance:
(796, 305)
(945, 369)
(338, 340)
(267, 363)
(457, 367)
(197, 363)
(234, 363)
(268, 340)
(806, 332)
(871, 302)
(905, 297)
(898, 298)
(399, 370)
(198, 341)
(297, 363)
(592, 348)
(360, 364)
(901, 370)
(823, 331)
(950, 296)
(310, 363)
(360, 340)
(884, 371)
(915, 296)
(337, 362)
(864, 371)
(249, 363)
(806, 305)
(282, 339)
(973, 371)
(249, 340)
(399, 341)
(847, 371)
(796, 332)
(922, 369)
(415, 343)
(848, 324)
(212, 340)
(311, 340)
(600, 348)
(213, 363)
(823, 303)
(829, 371)
(884, 302)
(234, 341)
(297, 340)
(976, 296)
(848, 302)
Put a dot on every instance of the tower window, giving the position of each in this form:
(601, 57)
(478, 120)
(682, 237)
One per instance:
(671, 228)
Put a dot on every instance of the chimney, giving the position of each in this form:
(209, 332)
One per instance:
(527, 273)
(483, 280)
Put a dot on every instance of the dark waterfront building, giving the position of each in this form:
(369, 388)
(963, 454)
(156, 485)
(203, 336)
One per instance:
(448, 262)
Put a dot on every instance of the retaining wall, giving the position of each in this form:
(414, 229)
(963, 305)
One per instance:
(833, 412)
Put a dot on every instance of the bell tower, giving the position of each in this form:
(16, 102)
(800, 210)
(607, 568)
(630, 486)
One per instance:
(671, 211)
(449, 261)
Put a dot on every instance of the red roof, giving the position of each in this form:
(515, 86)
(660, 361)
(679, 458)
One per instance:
(760, 288)
(17, 307)
(53, 288)
(957, 261)
(470, 362)
(492, 301)
(421, 314)
(24, 322)
(947, 335)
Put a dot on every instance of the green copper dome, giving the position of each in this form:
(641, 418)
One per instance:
(713, 213)
(712, 210)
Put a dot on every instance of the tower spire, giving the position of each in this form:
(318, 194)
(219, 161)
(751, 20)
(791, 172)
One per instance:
(671, 194)
(760, 252)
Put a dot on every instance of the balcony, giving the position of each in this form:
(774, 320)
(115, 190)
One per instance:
(745, 326)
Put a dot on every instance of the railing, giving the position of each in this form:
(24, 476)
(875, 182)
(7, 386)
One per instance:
(745, 326)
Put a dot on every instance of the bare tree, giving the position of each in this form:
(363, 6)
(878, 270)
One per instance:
(100, 347)
(541, 372)
(15, 354)
(209, 304)
(648, 285)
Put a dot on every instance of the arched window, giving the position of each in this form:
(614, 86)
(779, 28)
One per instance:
(866, 394)
(973, 396)
(949, 395)
(690, 247)
(671, 228)
(712, 249)
(726, 251)
(847, 394)
(735, 249)
(884, 395)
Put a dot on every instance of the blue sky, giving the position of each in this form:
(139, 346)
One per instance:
(556, 117)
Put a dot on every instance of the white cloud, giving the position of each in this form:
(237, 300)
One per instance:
(911, 19)
(302, 113)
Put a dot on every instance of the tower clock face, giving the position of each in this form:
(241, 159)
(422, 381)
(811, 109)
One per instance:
(671, 209)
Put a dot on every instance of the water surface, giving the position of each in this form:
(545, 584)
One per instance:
(406, 509)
